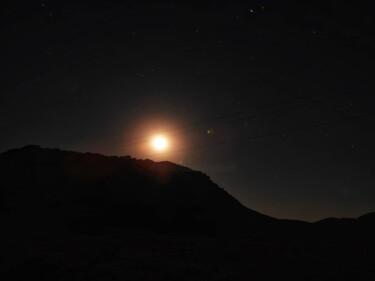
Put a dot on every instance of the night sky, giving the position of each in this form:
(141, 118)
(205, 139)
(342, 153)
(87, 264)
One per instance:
(274, 100)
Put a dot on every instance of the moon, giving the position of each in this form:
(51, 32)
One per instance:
(159, 143)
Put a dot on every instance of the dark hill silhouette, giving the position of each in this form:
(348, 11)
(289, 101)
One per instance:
(93, 193)
(362, 221)
(51, 189)
(367, 218)
(361, 227)
(81, 216)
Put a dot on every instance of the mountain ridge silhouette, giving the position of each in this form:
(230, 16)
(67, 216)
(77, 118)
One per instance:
(82, 216)
(93, 193)
(117, 192)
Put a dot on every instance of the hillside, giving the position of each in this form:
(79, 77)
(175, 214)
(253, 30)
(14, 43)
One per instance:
(82, 216)
(87, 192)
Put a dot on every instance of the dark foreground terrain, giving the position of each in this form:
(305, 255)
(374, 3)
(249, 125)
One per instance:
(185, 257)
(73, 216)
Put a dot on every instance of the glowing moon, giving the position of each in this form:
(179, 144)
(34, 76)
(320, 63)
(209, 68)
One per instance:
(159, 143)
